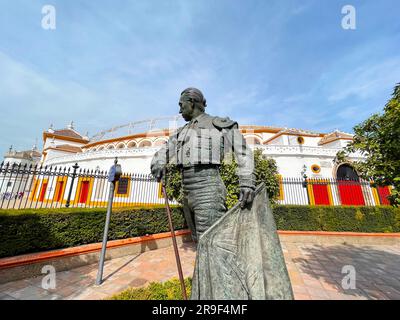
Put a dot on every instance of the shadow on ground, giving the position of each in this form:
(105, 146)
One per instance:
(377, 271)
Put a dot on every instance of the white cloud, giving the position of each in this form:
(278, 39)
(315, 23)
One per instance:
(366, 81)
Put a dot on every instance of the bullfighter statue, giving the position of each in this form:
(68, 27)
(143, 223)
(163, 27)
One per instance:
(238, 252)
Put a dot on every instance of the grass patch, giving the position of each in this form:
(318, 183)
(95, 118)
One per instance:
(169, 290)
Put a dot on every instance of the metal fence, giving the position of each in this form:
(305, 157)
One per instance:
(332, 192)
(23, 186)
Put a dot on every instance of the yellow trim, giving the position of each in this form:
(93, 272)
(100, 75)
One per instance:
(59, 192)
(79, 190)
(315, 171)
(311, 194)
(281, 192)
(375, 194)
(43, 181)
(123, 195)
(160, 193)
(35, 184)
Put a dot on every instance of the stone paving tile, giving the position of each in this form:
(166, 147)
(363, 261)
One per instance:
(29, 293)
(6, 297)
(302, 296)
(315, 272)
(71, 276)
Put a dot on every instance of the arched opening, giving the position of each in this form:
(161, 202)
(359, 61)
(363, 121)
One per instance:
(110, 147)
(145, 144)
(121, 146)
(346, 172)
(349, 186)
(132, 144)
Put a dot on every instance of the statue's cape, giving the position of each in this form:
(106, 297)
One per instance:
(240, 256)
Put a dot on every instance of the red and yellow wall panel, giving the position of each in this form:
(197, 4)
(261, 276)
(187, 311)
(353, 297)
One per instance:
(319, 192)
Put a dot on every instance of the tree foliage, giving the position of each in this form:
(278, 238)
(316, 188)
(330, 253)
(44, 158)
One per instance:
(266, 171)
(378, 138)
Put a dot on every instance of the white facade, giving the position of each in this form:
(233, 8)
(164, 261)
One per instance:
(12, 184)
(296, 151)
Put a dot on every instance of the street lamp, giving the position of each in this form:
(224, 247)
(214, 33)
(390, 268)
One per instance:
(305, 182)
(303, 171)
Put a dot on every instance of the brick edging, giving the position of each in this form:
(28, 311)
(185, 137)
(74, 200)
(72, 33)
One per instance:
(30, 258)
(343, 234)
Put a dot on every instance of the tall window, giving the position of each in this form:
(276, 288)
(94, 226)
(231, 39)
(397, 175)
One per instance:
(123, 184)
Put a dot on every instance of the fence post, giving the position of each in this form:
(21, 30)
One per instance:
(72, 184)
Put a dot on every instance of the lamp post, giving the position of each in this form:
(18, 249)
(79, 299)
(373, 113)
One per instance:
(305, 182)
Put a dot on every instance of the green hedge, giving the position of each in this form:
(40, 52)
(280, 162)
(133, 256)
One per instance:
(325, 218)
(27, 231)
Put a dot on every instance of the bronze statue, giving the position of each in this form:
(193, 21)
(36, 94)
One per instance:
(198, 148)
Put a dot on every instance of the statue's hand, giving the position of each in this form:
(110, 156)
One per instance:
(246, 196)
(158, 173)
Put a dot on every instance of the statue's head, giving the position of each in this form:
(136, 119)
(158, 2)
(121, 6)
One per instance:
(191, 103)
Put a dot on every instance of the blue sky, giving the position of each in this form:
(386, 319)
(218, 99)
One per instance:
(283, 63)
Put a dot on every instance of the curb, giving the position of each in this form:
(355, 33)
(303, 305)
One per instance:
(31, 258)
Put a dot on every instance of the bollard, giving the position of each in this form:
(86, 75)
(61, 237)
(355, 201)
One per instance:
(113, 176)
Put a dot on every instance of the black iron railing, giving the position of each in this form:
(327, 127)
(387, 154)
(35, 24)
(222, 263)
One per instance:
(334, 192)
(29, 186)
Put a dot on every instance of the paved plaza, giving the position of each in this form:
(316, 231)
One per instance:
(315, 272)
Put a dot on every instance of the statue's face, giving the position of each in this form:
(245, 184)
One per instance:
(186, 108)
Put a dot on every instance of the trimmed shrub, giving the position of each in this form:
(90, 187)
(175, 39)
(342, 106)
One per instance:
(27, 231)
(328, 218)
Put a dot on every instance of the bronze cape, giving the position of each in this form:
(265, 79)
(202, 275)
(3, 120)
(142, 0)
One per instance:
(240, 257)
